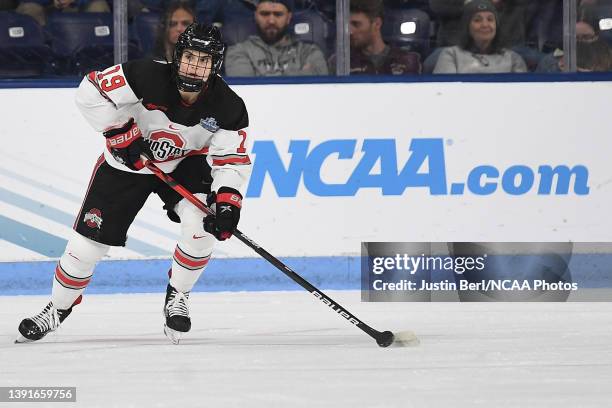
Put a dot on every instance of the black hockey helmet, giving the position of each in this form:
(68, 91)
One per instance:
(198, 37)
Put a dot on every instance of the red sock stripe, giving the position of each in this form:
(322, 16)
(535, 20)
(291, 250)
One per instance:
(188, 261)
(70, 281)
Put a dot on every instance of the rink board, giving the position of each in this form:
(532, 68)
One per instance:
(591, 272)
(147, 276)
(339, 164)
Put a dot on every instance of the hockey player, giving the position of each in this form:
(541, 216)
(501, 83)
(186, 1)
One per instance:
(185, 118)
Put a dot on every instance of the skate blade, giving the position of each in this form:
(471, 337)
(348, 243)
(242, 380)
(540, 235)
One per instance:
(22, 340)
(174, 336)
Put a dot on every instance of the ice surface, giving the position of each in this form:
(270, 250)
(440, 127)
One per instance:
(286, 349)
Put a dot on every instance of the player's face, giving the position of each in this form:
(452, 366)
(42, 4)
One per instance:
(362, 30)
(272, 20)
(195, 65)
(179, 21)
(483, 27)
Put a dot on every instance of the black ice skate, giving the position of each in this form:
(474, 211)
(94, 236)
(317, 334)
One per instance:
(176, 311)
(36, 327)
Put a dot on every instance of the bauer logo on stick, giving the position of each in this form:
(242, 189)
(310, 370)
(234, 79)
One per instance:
(93, 218)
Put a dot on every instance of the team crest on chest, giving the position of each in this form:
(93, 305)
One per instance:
(209, 124)
(167, 145)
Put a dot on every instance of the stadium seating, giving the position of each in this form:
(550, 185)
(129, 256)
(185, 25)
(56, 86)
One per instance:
(23, 52)
(204, 18)
(82, 42)
(145, 30)
(237, 29)
(311, 26)
(408, 29)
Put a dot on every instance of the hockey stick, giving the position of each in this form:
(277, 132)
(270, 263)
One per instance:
(384, 339)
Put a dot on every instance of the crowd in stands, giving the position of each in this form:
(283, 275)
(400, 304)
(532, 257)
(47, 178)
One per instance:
(272, 50)
(391, 37)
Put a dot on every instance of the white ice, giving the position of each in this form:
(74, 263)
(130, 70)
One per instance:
(287, 349)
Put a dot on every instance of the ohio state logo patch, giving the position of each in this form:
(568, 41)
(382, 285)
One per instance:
(93, 218)
(167, 145)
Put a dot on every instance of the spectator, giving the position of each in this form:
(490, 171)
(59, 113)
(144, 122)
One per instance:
(369, 53)
(550, 23)
(40, 9)
(586, 32)
(177, 17)
(274, 51)
(480, 48)
(512, 16)
(554, 61)
(593, 56)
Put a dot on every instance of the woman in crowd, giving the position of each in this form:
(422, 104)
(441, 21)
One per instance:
(177, 17)
(480, 49)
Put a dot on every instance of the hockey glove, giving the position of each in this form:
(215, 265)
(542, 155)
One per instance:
(226, 203)
(126, 145)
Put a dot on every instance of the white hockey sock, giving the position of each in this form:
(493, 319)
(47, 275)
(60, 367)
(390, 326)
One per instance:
(75, 269)
(194, 248)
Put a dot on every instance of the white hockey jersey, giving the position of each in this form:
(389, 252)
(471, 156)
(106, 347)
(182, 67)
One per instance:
(215, 125)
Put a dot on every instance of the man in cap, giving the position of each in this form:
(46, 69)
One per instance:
(274, 51)
(370, 55)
